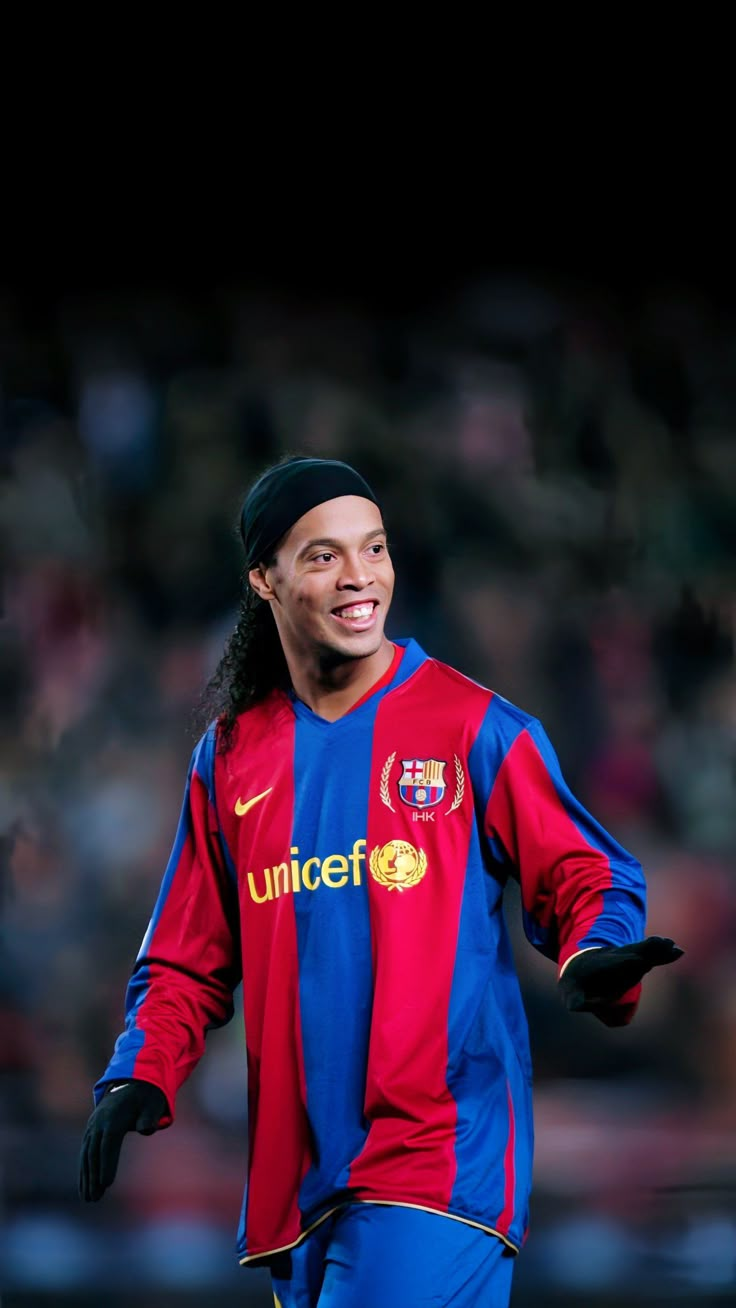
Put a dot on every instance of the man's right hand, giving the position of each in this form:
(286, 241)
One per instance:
(130, 1106)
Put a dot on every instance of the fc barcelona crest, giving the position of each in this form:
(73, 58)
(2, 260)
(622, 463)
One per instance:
(422, 781)
(422, 785)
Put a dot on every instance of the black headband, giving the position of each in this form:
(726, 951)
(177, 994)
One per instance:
(285, 493)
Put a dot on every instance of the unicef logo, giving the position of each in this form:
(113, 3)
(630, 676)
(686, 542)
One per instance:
(398, 865)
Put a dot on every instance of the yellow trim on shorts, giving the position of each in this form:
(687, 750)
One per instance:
(284, 1248)
(467, 1221)
(386, 1203)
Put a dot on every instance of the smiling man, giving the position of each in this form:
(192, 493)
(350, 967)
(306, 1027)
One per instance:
(350, 820)
(329, 587)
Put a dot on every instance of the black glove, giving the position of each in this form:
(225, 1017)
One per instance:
(595, 979)
(128, 1106)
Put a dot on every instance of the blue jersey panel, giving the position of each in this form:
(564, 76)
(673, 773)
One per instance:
(331, 777)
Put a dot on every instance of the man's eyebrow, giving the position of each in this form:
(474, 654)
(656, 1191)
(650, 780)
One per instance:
(338, 545)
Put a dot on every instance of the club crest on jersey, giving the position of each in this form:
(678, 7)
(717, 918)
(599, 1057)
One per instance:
(422, 782)
(422, 785)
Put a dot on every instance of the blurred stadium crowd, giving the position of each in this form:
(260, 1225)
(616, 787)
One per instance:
(558, 474)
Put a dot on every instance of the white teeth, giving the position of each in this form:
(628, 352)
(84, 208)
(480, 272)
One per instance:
(359, 611)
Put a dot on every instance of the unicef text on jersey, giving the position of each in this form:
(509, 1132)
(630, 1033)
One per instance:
(334, 871)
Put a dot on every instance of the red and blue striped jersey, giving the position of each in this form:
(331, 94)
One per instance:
(352, 873)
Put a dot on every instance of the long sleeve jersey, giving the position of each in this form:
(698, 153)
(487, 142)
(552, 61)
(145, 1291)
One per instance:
(352, 873)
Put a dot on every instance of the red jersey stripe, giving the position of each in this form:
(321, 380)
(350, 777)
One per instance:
(563, 875)
(410, 1150)
(276, 1085)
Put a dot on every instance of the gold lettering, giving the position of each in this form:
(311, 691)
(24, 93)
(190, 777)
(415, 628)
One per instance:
(357, 854)
(260, 899)
(295, 883)
(281, 867)
(335, 863)
(286, 878)
(306, 877)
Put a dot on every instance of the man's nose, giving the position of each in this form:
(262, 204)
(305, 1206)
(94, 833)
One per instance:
(356, 573)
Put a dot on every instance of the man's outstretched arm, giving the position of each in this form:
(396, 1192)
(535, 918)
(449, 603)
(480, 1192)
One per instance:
(182, 984)
(583, 894)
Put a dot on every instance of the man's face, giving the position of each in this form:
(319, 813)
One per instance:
(331, 584)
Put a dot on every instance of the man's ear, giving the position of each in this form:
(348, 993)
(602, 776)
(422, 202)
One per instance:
(257, 579)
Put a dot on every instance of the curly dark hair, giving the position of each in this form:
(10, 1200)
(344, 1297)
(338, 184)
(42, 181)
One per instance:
(252, 665)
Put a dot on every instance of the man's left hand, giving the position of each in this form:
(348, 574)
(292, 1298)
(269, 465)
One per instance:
(596, 978)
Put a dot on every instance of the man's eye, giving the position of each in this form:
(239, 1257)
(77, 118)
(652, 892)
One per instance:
(378, 548)
(322, 558)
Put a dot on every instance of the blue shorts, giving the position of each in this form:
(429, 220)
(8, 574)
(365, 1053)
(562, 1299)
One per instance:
(384, 1256)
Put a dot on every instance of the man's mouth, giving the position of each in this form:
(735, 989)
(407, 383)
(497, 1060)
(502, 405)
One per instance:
(357, 616)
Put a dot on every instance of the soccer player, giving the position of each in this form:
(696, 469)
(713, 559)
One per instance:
(350, 819)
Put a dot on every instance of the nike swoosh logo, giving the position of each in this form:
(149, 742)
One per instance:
(118, 1087)
(241, 808)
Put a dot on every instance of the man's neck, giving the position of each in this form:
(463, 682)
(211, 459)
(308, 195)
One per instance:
(331, 690)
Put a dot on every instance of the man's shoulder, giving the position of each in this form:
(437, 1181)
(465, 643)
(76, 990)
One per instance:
(451, 677)
(450, 681)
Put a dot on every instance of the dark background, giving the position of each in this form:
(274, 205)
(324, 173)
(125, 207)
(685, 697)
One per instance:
(554, 441)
